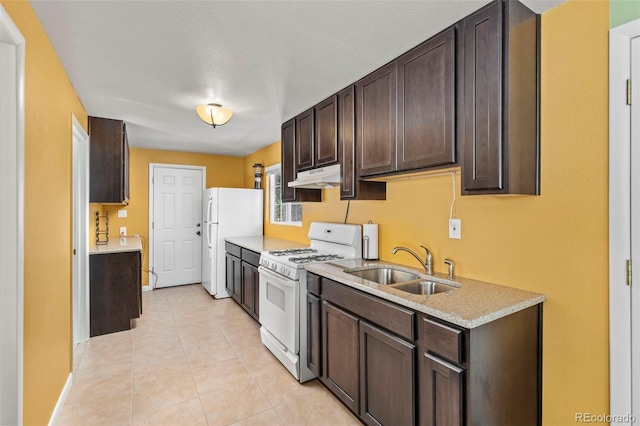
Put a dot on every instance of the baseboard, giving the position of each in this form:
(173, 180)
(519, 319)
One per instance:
(146, 288)
(61, 400)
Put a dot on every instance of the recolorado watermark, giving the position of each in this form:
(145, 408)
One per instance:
(605, 418)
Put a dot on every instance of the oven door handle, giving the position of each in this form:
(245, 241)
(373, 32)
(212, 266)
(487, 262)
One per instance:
(280, 279)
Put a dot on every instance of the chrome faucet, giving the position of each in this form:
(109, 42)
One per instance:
(428, 265)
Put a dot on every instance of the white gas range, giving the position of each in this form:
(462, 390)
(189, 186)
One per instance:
(283, 290)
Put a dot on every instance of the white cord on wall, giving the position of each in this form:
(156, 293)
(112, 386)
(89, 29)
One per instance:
(453, 201)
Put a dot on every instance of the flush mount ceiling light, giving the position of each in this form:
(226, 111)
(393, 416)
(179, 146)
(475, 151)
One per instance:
(213, 114)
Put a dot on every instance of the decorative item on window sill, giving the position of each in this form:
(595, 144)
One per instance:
(258, 175)
(214, 114)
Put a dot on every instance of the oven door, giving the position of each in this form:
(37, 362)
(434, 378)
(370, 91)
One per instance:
(279, 308)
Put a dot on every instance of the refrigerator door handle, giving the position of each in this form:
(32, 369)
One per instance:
(209, 209)
(209, 234)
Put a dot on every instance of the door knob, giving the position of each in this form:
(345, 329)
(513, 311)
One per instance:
(198, 225)
(198, 233)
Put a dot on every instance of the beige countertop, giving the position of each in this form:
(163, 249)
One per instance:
(261, 243)
(117, 245)
(472, 304)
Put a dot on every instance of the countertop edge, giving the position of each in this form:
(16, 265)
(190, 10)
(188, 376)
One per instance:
(260, 243)
(531, 299)
(117, 245)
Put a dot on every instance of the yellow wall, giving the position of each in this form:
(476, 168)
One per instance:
(554, 244)
(221, 171)
(49, 102)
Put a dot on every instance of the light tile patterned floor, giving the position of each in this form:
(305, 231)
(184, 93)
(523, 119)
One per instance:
(191, 360)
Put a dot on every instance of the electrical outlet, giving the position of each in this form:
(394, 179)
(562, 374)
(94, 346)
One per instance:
(123, 230)
(455, 228)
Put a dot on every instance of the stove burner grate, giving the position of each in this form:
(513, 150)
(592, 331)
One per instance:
(315, 258)
(292, 252)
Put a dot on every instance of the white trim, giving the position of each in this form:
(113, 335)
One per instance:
(152, 166)
(61, 400)
(273, 169)
(10, 34)
(620, 218)
(80, 291)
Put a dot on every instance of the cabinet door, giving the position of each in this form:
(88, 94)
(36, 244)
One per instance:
(288, 165)
(107, 161)
(376, 121)
(340, 355)
(314, 319)
(256, 293)
(346, 142)
(326, 132)
(482, 52)
(237, 279)
(125, 164)
(248, 289)
(426, 104)
(114, 280)
(305, 141)
(441, 392)
(387, 378)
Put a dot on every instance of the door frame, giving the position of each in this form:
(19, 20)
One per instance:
(80, 275)
(152, 167)
(620, 361)
(12, 218)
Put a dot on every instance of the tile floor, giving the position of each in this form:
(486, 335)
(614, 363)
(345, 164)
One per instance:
(191, 360)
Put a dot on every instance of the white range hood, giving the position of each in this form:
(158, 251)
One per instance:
(324, 177)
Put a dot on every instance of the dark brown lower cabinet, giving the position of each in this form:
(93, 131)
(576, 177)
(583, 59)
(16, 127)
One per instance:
(250, 282)
(233, 274)
(387, 378)
(340, 350)
(314, 352)
(441, 392)
(115, 291)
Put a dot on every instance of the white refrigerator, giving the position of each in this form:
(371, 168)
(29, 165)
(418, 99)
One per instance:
(227, 212)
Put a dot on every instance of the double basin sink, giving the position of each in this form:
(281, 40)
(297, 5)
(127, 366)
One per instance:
(399, 279)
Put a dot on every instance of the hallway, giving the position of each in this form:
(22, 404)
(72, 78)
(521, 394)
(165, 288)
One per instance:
(191, 360)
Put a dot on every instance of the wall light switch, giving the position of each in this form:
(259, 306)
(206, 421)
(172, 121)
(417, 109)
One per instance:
(123, 230)
(455, 228)
(122, 213)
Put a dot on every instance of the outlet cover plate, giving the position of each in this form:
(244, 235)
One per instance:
(123, 230)
(122, 213)
(455, 228)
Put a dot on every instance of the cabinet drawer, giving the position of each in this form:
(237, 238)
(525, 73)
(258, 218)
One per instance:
(443, 340)
(392, 317)
(232, 249)
(313, 284)
(251, 257)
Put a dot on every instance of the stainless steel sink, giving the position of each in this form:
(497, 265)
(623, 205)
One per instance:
(424, 287)
(384, 275)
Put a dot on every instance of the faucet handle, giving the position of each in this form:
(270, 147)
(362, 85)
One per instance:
(451, 266)
(428, 252)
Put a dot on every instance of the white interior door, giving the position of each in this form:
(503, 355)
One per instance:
(177, 225)
(11, 219)
(624, 223)
(80, 233)
(635, 226)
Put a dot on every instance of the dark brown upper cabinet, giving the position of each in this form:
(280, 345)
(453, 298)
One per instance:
(350, 186)
(288, 167)
(406, 110)
(109, 161)
(426, 104)
(499, 66)
(326, 132)
(304, 151)
(376, 121)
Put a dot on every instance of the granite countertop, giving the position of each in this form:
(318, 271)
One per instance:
(472, 304)
(117, 245)
(260, 243)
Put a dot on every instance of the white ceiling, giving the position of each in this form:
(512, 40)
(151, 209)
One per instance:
(150, 63)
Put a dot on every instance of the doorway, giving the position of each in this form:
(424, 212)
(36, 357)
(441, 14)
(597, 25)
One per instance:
(12, 52)
(175, 223)
(624, 222)
(80, 233)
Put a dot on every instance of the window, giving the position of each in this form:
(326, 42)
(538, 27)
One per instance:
(279, 212)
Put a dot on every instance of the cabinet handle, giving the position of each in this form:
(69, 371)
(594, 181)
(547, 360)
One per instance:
(443, 363)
